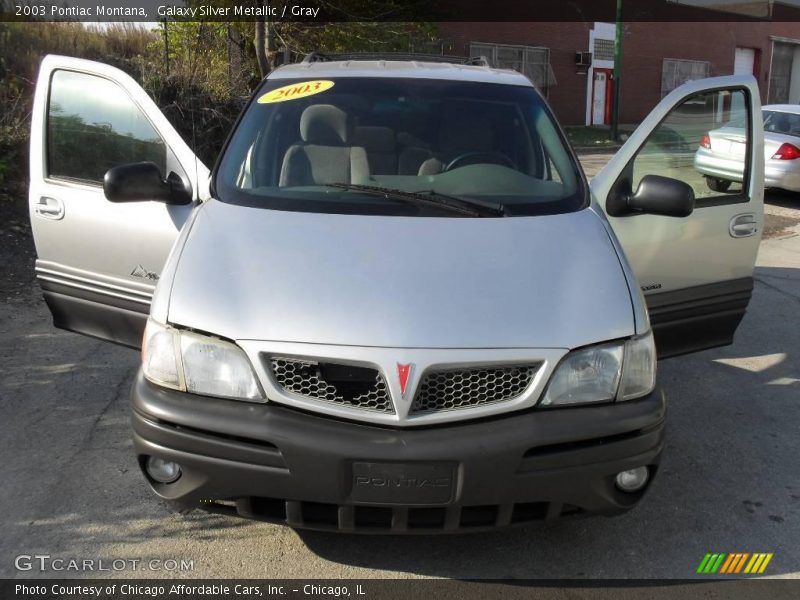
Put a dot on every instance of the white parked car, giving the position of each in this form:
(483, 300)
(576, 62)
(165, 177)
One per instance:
(720, 155)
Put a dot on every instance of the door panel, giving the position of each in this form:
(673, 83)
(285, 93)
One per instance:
(599, 97)
(695, 272)
(98, 262)
(744, 61)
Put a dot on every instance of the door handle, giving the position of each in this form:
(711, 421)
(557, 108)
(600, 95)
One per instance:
(49, 208)
(743, 225)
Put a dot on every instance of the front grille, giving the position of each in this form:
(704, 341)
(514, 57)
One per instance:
(343, 385)
(386, 519)
(455, 389)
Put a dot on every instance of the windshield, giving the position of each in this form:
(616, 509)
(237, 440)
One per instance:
(410, 147)
(781, 122)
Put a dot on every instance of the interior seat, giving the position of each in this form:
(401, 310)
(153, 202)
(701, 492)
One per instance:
(381, 147)
(413, 152)
(461, 132)
(325, 154)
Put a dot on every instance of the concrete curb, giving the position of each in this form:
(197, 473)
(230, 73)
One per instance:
(596, 149)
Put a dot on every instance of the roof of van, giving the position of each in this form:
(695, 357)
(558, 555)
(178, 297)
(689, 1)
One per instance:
(411, 69)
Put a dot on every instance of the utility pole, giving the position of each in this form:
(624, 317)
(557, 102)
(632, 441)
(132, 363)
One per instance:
(617, 73)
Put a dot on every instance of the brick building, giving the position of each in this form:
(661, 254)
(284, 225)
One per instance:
(656, 58)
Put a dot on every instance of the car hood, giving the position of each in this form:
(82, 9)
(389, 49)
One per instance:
(403, 282)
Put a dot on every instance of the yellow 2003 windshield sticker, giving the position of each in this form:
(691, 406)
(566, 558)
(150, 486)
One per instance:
(295, 91)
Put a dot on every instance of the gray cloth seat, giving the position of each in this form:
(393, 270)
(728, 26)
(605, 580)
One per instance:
(381, 147)
(325, 154)
(412, 153)
(460, 133)
(411, 158)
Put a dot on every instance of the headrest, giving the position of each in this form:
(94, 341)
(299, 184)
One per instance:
(465, 131)
(375, 139)
(325, 125)
(409, 140)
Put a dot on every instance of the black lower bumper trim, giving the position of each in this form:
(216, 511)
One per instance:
(385, 519)
(266, 461)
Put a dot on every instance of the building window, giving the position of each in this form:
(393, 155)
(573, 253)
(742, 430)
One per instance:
(676, 72)
(531, 61)
(780, 76)
(603, 49)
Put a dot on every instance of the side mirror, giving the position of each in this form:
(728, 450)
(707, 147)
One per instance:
(656, 195)
(137, 182)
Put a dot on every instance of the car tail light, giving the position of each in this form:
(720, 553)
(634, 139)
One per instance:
(705, 142)
(787, 152)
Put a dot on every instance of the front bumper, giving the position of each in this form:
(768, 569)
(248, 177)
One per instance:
(269, 462)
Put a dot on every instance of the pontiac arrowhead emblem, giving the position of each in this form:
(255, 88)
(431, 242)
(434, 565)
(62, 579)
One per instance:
(403, 371)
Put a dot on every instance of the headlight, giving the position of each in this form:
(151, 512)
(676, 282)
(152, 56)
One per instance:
(198, 364)
(621, 371)
(587, 375)
(639, 368)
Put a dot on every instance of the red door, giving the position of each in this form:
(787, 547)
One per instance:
(602, 96)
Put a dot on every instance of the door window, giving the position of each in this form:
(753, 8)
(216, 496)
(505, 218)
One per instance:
(92, 126)
(705, 142)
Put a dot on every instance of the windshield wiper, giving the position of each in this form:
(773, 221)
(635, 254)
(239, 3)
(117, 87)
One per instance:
(465, 206)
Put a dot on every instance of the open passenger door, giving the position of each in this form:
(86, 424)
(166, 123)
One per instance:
(98, 261)
(696, 271)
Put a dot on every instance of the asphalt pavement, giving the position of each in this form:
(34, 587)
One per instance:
(728, 482)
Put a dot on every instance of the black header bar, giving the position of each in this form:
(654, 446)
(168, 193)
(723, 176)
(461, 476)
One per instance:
(324, 11)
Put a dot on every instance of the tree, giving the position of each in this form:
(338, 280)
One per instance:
(361, 25)
(262, 42)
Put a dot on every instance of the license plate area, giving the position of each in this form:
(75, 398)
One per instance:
(392, 484)
(738, 148)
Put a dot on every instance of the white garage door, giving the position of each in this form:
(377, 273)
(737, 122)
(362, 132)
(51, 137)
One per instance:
(744, 61)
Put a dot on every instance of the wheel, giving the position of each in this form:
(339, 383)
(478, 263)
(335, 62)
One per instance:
(718, 185)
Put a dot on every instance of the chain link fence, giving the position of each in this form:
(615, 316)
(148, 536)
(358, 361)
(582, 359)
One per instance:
(531, 61)
(676, 72)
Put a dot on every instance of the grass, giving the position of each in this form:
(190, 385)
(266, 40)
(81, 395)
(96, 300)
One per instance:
(593, 136)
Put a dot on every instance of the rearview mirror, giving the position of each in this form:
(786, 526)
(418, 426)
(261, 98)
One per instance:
(136, 182)
(657, 195)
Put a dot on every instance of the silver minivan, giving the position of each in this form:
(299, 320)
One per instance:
(395, 303)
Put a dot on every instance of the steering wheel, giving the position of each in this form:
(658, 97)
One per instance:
(493, 157)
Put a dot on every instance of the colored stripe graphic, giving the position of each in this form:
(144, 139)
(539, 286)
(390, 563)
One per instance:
(726, 566)
(734, 563)
(741, 562)
(718, 563)
(730, 563)
(754, 563)
(711, 563)
(765, 563)
(703, 563)
(758, 563)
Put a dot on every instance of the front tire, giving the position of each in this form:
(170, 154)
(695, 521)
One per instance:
(718, 185)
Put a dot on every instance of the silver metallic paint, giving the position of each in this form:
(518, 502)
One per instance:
(387, 290)
(401, 282)
(676, 253)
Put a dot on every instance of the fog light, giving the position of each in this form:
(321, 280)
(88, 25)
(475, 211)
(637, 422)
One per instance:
(163, 471)
(633, 480)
